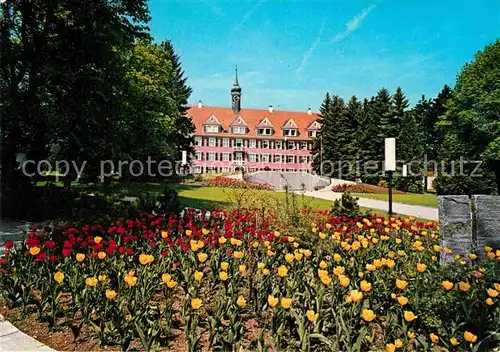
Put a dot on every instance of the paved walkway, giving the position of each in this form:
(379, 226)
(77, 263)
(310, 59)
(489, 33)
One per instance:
(12, 339)
(418, 211)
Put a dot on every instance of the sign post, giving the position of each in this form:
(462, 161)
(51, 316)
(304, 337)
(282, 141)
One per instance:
(390, 165)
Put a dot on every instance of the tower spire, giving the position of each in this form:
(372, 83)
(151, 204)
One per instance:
(236, 93)
(236, 84)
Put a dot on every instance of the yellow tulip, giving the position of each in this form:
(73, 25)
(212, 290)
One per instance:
(325, 279)
(166, 278)
(337, 258)
(242, 268)
(238, 255)
(390, 347)
(365, 286)
(198, 275)
(454, 341)
(401, 284)
(434, 338)
(59, 276)
(145, 259)
(464, 286)
(298, 255)
(409, 316)
(344, 281)
(370, 267)
(411, 335)
(489, 301)
(171, 284)
(356, 296)
(80, 257)
(368, 315)
(101, 255)
(311, 316)
(322, 264)
(272, 301)
(205, 231)
(164, 234)
(286, 302)
(223, 276)
(402, 300)
(110, 294)
(447, 285)
(103, 278)
(492, 293)
(497, 287)
(130, 280)
(241, 301)
(289, 257)
(202, 257)
(261, 266)
(188, 232)
(97, 239)
(235, 242)
(282, 271)
(196, 303)
(222, 240)
(421, 267)
(398, 343)
(91, 281)
(470, 337)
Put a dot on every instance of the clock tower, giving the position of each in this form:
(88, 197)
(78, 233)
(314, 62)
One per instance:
(236, 94)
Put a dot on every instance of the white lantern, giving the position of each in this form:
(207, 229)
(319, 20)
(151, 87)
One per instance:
(405, 170)
(184, 157)
(390, 154)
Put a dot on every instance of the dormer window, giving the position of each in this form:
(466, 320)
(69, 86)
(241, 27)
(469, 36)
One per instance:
(212, 128)
(239, 130)
(290, 132)
(313, 133)
(265, 131)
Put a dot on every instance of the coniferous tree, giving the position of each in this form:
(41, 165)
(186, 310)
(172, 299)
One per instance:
(324, 120)
(399, 109)
(350, 140)
(382, 114)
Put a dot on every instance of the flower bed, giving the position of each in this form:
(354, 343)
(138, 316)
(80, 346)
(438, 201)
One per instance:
(362, 188)
(229, 280)
(228, 182)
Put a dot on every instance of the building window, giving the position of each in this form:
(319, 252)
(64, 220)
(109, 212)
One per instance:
(265, 144)
(264, 158)
(197, 169)
(277, 158)
(264, 131)
(303, 159)
(303, 145)
(225, 156)
(253, 143)
(225, 142)
(290, 159)
(238, 156)
(225, 169)
(199, 156)
(212, 128)
(290, 132)
(313, 134)
(212, 156)
(238, 143)
(252, 158)
(239, 129)
(290, 145)
(212, 142)
(198, 141)
(278, 145)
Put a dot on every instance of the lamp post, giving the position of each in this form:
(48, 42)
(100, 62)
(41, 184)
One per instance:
(321, 155)
(390, 165)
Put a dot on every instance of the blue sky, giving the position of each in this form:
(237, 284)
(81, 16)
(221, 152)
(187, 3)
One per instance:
(290, 53)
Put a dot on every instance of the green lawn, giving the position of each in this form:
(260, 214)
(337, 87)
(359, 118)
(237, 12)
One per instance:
(195, 196)
(427, 199)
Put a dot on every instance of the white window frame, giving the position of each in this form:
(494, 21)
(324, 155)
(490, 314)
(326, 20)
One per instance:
(265, 131)
(239, 130)
(252, 158)
(225, 156)
(212, 128)
(288, 158)
(198, 141)
(313, 133)
(212, 142)
(238, 157)
(267, 142)
(238, 143)
(199, 155)
(225, 142)
(290, 132)
(264, 158)
(303, 145)
(212, 156)
(197, 170)
(278, 145)
(277, 159)
(303, 159)
(288, 143)
(252, 143)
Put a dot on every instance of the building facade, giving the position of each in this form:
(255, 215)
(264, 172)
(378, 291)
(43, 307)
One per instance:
(231, 139)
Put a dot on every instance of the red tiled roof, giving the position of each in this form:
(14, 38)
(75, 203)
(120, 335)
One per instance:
(252, 117)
